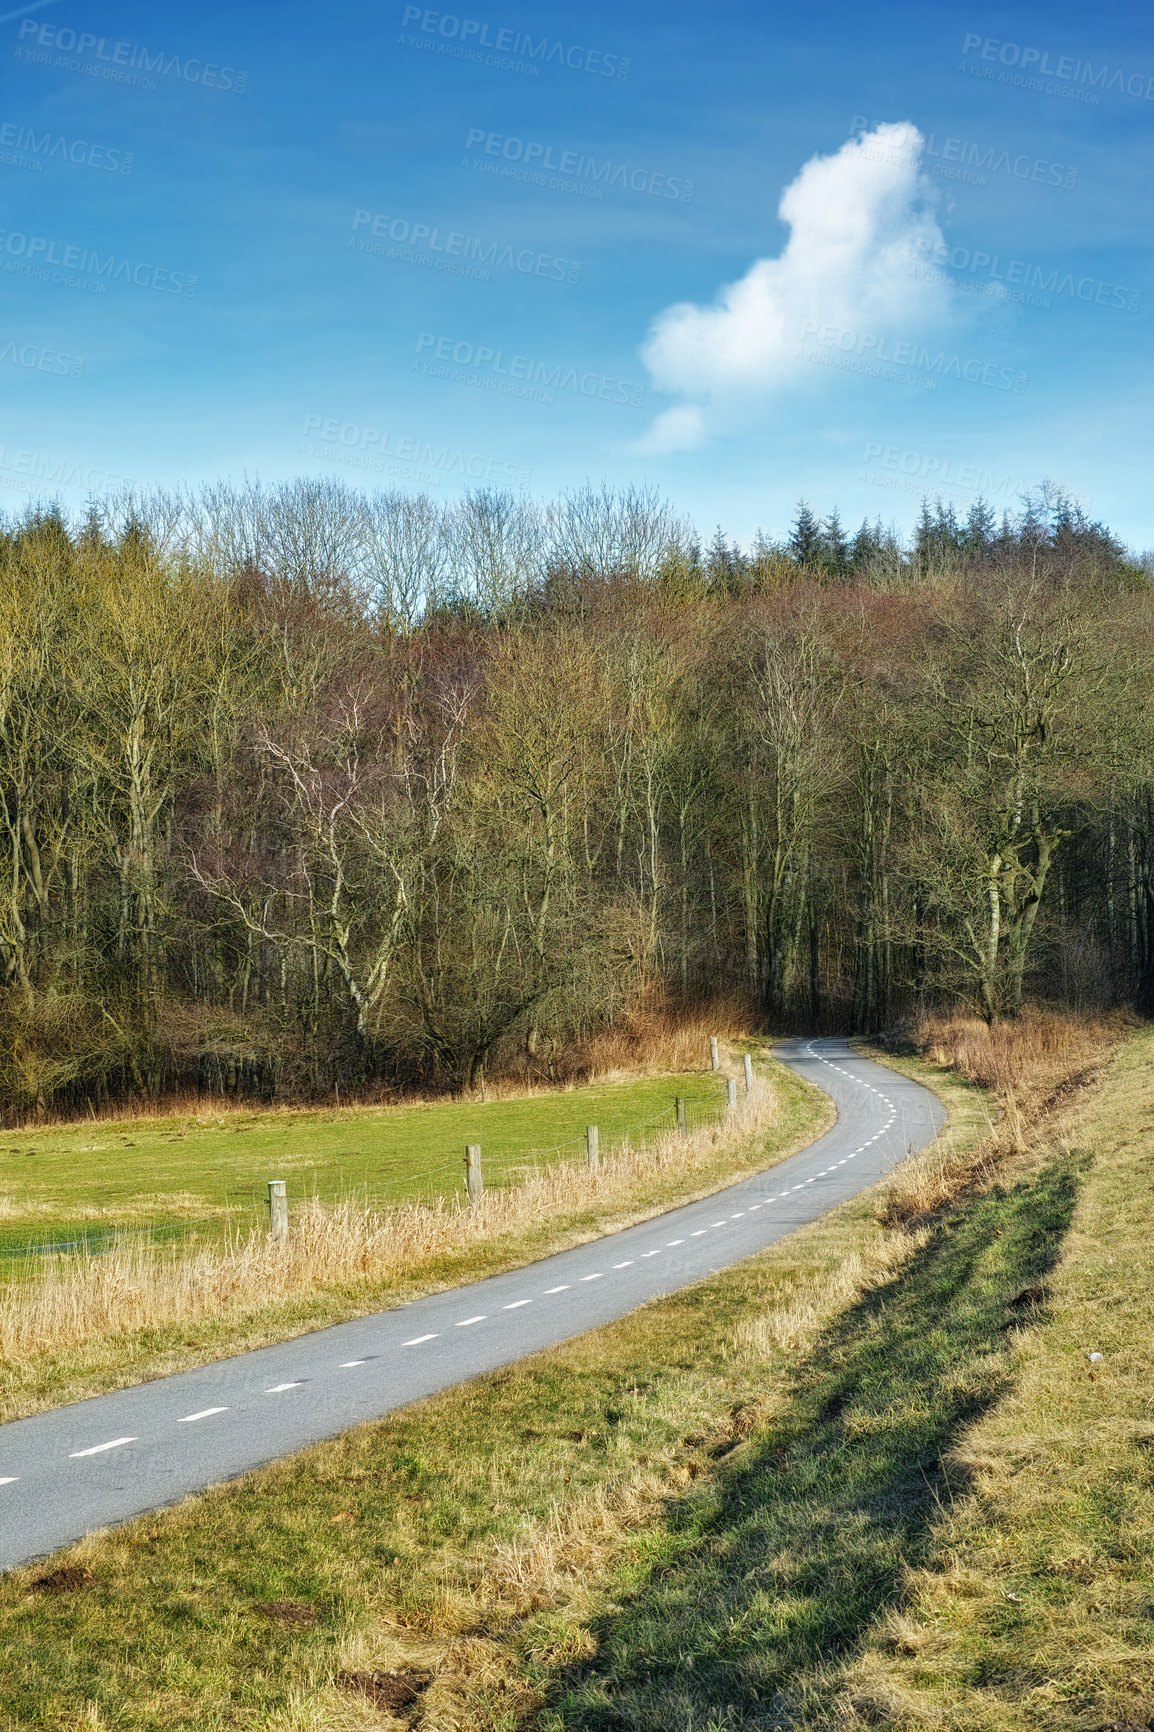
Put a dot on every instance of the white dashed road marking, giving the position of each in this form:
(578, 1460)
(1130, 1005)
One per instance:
(417, 1340)
(205, 1413)
(465, 1321)
(516, 1304)
(279, 1388)
(99, 1448)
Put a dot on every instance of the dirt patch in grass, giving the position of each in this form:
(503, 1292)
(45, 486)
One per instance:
(65, 1580)
(391, 1690)
(293, 1614)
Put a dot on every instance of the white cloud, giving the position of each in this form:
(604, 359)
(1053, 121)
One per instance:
(861, 221)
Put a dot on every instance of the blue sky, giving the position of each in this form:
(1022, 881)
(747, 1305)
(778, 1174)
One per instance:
(269, 241)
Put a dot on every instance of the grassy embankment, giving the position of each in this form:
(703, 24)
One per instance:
(869, 1478)
(92, 1322)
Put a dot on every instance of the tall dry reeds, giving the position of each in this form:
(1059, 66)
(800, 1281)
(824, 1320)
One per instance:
(135, 1286)
(653, 1038)
(1030, 1067)
(1021, 1055)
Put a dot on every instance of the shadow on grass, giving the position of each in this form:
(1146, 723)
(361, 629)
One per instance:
(758, 1582)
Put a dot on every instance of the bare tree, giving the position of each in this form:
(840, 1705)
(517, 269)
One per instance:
(788, 767)
(407, 556)
(336, 888)
(1011, 698)
(495, 550)
(227, 528)
(606, 532)
(316, 533)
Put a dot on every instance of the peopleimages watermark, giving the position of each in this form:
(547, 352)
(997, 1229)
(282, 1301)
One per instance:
(490, 369)
(35, 470)
(915, 471)
(508, 49)
(38, 359)
(902, 361)
(550, 165)
(119, 62)
(50, 261)
(1018, 279)
(35, 148)
(1072, 77)
(459, 254)
(378, 450)
(962, 159)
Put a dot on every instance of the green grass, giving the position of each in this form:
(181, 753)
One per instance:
(734, 1613)
(60, 1182)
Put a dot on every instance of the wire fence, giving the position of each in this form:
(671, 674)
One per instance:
(244, 1207)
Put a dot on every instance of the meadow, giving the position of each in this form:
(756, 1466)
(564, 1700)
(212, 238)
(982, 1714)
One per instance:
(81, 1185)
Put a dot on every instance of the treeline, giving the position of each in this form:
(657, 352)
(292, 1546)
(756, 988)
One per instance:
(306, 790)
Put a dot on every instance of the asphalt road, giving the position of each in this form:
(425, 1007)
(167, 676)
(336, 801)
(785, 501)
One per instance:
(101, 1461)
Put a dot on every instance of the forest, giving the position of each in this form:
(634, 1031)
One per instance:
(306, 790)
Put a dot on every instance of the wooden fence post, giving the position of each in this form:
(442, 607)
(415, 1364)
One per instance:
(748, 1073)
(592, 1149)
(714, 1059)
(278, 1211)
(681, 1114)
(474, 1184)
(730, 1093)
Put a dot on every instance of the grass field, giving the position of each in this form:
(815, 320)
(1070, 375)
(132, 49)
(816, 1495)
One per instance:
(870, 1478)
(74, 1184)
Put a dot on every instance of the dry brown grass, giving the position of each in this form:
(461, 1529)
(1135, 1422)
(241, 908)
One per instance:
(654, 1039)
(795, 1322)
(1030, 1069)
(135, 1286)
(1023, 1063)
(651, 1039)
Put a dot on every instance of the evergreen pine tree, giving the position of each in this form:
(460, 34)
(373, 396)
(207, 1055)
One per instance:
(720, 563)
(805, 536)
(924, 538)
(978, 534)
(865, 545)
(835, 547)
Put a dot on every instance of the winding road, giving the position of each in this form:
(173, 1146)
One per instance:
(99, 1462)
